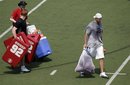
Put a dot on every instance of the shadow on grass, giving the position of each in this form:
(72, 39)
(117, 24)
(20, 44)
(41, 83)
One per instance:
(86, 76)
(39, 61)
(34, 64)
(97, 69)
(117, 50)
(56, 65)
(12, 71)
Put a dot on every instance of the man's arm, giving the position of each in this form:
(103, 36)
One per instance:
(86, 33)
(12, 20)
(85, 40)
(14, 32)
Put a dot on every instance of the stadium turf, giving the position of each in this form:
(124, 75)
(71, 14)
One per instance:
(63, 22)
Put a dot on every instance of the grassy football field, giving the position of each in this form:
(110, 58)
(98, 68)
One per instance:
(63, 22)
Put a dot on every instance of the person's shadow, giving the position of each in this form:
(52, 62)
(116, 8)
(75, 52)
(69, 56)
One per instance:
(34, 64)
(97, 70)
(39, 61)
(86, 76)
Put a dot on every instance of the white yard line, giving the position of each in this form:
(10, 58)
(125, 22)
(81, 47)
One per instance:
(1, 0)
(118, 71)
(122, 74)
(53, 72)
(32, 10)
(36, 7)
(5, 32)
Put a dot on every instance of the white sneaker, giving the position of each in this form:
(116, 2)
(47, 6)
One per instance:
(103, 75)
(24, 69)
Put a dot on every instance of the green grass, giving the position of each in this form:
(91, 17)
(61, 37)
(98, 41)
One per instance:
(63, 22)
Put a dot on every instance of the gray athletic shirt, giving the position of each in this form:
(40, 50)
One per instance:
(94, 37)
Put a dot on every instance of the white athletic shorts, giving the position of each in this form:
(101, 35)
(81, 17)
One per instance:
(97, 52)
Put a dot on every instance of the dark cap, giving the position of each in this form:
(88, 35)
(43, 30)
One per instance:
(22, 3)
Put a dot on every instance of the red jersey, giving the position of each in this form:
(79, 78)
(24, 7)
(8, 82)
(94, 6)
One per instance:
(16, 13)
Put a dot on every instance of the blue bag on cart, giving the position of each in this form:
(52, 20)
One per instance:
(43, 48)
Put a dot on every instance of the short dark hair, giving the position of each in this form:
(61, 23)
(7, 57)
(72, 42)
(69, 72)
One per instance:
(22, 3)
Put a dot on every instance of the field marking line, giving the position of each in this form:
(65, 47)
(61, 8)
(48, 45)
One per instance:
(5, 32)
(36, 7)
(53, 72)
(122, 74)
(118, 70)
(32, 10)
(1, 0)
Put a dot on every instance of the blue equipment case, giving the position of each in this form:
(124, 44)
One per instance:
(43, 48)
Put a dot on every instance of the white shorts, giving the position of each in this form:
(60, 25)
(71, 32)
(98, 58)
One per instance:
(98, 52)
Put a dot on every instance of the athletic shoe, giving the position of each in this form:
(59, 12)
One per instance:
(103, 75)
(82, 74)
(24, 69)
